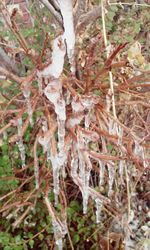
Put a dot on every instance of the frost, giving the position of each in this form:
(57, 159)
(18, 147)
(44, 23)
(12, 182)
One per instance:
(27, 93)
(98, 210)
(69, 34)
(20, 142)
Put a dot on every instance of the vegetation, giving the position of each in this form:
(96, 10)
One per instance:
(74, 133)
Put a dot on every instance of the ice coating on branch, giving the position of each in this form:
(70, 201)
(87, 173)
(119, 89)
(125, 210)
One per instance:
(69, 34)
(53, 92)
(99, 206)
(26, 92)
(20, 142)
(56, 67)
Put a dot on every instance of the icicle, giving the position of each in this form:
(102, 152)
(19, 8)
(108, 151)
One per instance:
(111, 174)
(53, 93)
(55, 168)
(60, 229)
(120, 134)
(69, 34)
(26, 93)
(87, 120)
(36, 165)
(85, 167)
(98, 210)
(20, 142)
(74, 161)
(61, 145)
(121, 170)
(139, 151)
(102, 171)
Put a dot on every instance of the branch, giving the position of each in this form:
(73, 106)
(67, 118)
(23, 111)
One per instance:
(53, 11)
(10, 75)
(6, 61)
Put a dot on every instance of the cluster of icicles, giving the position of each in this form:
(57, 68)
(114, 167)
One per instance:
(82, 107)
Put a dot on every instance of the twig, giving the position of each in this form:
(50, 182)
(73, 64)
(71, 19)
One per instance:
(110, 73)
(17, 222)
(130, 4)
